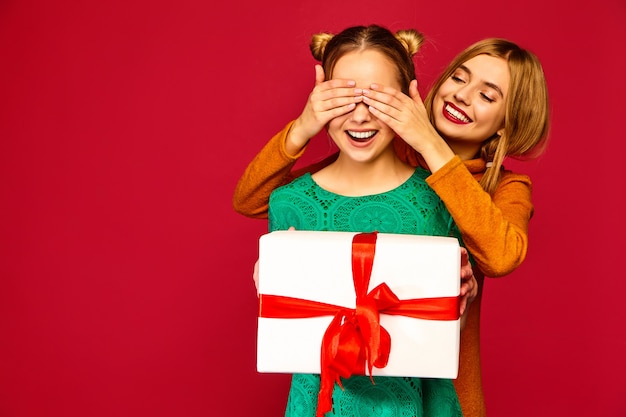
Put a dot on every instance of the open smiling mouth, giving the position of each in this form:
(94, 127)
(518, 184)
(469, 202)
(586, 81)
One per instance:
(455, 114)
(361, 136)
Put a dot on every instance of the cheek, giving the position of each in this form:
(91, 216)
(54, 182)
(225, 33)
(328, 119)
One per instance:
(444, 90)
(501, 118)
(493, 122)
(437, 108)
(383, 126)
(498, 119)
(335, 123)
(335, 126)
(438, 102)
(489, 115)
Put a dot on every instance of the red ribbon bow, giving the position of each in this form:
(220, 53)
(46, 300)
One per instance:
(355, 336)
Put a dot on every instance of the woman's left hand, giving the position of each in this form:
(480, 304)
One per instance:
(407, 117)
(469, 284)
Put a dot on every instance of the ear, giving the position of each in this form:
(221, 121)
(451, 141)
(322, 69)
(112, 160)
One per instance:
(500, 132)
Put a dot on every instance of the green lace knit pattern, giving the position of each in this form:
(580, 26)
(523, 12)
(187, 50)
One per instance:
(388, 397)
(411, 208)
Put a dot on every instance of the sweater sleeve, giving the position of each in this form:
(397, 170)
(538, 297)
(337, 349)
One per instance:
(494, 228)
(270, 169)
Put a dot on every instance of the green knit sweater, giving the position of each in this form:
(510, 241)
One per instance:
(411, 208)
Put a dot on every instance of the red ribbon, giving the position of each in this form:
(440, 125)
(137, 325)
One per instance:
(355, 336)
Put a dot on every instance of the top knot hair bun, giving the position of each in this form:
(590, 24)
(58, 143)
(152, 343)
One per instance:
(318, 45)
(411, 39)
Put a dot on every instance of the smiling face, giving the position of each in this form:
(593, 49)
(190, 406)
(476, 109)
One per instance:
(470, 106)
(359, 135)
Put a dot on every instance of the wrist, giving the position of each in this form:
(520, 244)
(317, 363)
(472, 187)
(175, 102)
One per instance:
(436, 154)
(296, 140)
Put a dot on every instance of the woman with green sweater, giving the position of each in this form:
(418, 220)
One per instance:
(490, 103)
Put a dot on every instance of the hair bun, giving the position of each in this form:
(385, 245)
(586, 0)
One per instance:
(318, 44)
(411, 39)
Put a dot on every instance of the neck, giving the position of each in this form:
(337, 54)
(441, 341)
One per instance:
(464, 150)
(354, 178)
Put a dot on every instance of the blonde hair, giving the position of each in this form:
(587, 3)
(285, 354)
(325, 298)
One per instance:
(399, 48)
(527, 114)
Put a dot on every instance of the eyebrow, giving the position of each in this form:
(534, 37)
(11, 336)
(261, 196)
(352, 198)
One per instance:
(487, 83)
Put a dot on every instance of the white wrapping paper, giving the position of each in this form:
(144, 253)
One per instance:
(317, 266)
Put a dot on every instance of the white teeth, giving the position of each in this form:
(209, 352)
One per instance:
(456, 114)
(362, 135)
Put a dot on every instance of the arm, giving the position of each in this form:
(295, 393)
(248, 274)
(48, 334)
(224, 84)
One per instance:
(270, 169)
(494, 229)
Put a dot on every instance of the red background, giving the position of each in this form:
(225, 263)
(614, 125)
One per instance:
(125, 275)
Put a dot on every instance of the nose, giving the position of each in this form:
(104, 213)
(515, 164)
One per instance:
(463, 95)
(361, 113)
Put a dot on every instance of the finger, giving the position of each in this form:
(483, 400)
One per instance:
(386, 95)
(336, 107)
(255, 276)
(388, 114)
(327, 98)
(319, 74)
(291, 228)
(387, 101)
(413, 89)
(337, 88)
(466, 267)
(382, 89)
(414, 93)
(462, 305)
(465, 288)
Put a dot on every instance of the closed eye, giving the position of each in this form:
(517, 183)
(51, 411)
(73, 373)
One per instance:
(486, 98)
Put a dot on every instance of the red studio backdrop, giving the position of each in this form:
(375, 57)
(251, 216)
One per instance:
(125, 274)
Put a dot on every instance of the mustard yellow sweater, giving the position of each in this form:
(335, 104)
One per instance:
(494, 229)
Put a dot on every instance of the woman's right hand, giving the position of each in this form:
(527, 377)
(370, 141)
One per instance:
(329, 99)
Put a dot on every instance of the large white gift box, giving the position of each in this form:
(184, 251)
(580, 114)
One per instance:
(317, 266)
